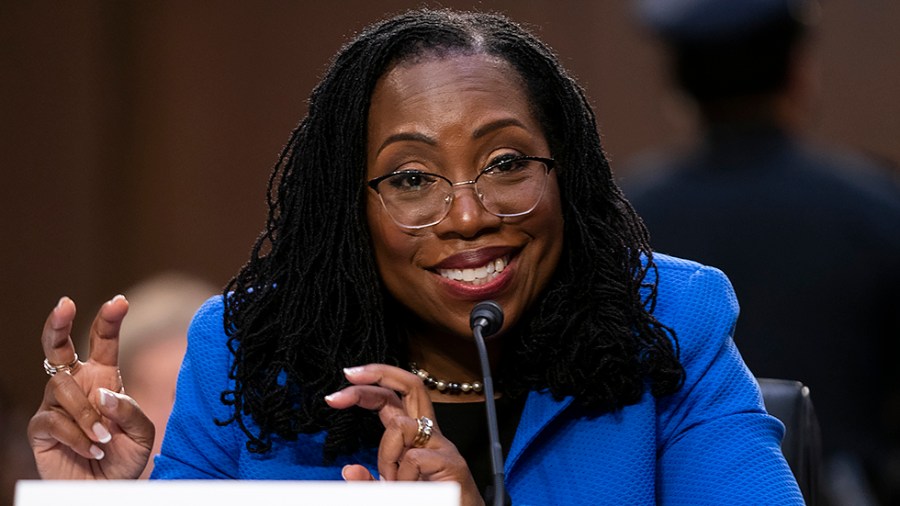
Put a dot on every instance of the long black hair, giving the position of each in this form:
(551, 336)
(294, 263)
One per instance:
(310, 302)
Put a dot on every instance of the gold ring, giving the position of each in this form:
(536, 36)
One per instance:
(423, 435)
(52, 369)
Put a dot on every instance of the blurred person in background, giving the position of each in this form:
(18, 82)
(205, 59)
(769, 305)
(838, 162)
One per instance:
(153, 340)
(810, 236)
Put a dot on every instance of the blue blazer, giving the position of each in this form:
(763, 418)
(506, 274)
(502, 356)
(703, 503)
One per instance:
(710, 443)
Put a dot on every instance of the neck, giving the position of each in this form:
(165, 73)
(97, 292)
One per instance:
(450, 358)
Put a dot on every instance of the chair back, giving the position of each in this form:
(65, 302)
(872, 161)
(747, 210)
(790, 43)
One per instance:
(790, 402)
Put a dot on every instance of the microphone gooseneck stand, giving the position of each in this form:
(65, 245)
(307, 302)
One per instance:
(486, 319)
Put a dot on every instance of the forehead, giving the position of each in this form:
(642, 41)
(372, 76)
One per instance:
(459, 70)
(460, 58)
(443, 87)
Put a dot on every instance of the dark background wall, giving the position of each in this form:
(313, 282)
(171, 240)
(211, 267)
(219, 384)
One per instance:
(137, 136)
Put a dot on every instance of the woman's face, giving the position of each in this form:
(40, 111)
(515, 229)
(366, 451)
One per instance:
(454, 116)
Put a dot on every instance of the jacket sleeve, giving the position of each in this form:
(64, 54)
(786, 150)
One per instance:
(717, 444)
(195, 446)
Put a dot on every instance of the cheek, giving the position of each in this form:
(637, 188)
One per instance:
(550, 231)
(550, 210)
(393, 247)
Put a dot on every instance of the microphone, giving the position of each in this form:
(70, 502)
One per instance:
(488, 315)
(486, 319)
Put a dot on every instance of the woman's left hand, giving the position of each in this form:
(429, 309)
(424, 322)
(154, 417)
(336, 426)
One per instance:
(401, 400)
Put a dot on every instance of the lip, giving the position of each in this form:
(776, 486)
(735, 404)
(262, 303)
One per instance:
(490, 290)
(475, 258)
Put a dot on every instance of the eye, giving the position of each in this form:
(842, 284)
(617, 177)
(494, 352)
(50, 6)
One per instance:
(411, 181)
(505, 164)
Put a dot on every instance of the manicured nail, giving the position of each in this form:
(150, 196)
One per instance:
(352, 371)
(97, 452)
(108, 399)
(116, 298)
(102, 434)
(332, 397)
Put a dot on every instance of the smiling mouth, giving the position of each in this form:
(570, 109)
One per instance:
(478, 275)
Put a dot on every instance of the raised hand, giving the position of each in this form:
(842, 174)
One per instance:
(409, 451)
(86, 427)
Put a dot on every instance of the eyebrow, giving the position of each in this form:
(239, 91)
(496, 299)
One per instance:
(496, 125)
(407, 136)
(479, 132)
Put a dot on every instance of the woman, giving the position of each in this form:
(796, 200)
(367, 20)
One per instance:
(446, 159)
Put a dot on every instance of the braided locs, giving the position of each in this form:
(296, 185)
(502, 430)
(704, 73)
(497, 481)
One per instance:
(309, 300)
(592, 334)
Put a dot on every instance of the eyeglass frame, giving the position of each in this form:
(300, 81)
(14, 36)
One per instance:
(549, 164)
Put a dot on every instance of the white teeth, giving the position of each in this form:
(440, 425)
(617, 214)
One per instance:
(476, 276)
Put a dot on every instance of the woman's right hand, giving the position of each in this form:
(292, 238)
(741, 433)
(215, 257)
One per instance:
(400, 398)
(86, 427)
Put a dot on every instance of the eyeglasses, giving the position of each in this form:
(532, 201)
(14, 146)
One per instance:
(510, 187)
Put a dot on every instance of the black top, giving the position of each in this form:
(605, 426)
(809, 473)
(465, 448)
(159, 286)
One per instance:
(465, 425)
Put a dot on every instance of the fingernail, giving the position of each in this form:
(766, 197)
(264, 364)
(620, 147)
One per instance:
(102, 434)
(108, 399)
(116, 298)
(331, 397)
(350, 371)
(97, 452)
(61, 300)
(344, 476)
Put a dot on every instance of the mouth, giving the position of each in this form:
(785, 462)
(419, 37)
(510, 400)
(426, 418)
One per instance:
(477, 276)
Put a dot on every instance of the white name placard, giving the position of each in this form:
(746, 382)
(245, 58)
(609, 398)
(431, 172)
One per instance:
(233, 493)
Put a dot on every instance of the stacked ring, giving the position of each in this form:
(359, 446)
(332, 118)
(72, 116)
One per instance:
(52, 369)
(423, 435)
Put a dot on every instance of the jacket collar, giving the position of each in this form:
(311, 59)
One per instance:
(540, 409)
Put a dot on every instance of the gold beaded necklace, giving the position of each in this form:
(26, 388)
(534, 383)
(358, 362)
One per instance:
(446, 387)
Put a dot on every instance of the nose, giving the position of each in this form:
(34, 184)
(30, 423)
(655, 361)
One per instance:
(467, 216)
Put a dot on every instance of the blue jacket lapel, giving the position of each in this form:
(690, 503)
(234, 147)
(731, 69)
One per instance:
(540, 409)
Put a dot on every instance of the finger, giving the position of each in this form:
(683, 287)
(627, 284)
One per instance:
(50, 428)
(406, 384)
(440, 463)
(105, 331)
(124, 411)
(398, 437)
(55, 338)
(370, 397)
(356, 472)
(63, 391)
(410, 466)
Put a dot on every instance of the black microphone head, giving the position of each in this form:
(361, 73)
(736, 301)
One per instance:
(488, 315)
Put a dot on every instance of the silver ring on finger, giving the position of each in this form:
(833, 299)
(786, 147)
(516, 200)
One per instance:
(52, 369)
(423, 434)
